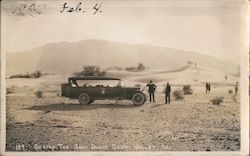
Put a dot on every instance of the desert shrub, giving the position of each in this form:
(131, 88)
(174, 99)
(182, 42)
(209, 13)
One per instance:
(178, 94)
(140, 67)
(130, 69)
(187, 89)
(91, 70)
(217, 100)
(35, 74)
(39, 94)
(230, 91)
(17, 76)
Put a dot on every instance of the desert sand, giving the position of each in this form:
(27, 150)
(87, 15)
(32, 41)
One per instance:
(53, 123)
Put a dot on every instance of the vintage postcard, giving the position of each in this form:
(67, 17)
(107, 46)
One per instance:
(131, 77)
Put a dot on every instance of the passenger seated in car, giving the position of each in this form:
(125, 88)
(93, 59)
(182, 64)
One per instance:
(86, 85)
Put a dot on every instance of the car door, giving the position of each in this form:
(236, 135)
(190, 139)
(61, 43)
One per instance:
(115, 92)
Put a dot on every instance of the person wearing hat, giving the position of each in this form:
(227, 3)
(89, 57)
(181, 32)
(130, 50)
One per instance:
(151, 90)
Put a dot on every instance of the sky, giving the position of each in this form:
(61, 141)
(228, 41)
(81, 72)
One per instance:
(213, 27)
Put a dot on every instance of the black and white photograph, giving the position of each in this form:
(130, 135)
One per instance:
(100, 76)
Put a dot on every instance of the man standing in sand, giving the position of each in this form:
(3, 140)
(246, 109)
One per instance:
(167, 93)
(207, 87)
(236, 86)
(151, 90)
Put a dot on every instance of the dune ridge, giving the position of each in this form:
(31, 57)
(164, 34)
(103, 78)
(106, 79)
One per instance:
(64, 57)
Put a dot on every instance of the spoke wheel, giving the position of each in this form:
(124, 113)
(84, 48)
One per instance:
(138, 99)
(84, 99)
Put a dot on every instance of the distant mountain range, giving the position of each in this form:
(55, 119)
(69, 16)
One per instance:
(64, 57)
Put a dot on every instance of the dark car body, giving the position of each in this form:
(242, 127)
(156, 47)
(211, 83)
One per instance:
(98, 92)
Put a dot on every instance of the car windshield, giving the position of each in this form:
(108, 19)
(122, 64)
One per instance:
(97, 83)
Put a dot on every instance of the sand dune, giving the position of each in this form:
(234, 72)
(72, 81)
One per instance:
(185, 75)
(65, 58)
(188, 74)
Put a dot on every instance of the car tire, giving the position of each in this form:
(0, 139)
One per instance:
(84, 99)
(138, 99)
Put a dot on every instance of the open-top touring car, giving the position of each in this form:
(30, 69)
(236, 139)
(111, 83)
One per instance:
(90, 88)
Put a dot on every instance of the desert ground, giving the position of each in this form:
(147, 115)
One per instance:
(54, 123)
